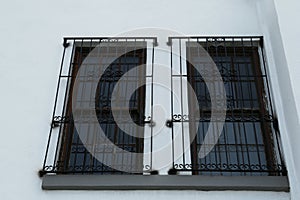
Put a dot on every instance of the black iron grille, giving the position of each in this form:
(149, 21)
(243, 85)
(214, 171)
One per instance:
(250, 141)
(66, 152)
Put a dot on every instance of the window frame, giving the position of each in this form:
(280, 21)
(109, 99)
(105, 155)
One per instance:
(237, 110)
(68, 131)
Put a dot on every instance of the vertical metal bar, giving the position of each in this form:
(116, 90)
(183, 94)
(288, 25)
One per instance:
(86, 166)
(64, 109)
(240, 81)
(105, 85)
(208, 159)
(94, 135)
(237, 104)
(55, 105)
(218, 60)
(191, 78)
(111, 83)
(81, 101)
(249, 79)
(95, 138)
(172, 102)
(181, 103)
(120, 63)
(152, 73)
(234, 102)
(225, 132)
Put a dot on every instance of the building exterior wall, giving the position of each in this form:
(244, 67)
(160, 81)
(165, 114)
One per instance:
(32, 33)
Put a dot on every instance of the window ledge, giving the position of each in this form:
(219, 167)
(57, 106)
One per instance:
(159, 182)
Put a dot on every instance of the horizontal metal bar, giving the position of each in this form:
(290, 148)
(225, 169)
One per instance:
(230, 170)
(66, 39)
(101, 37)
(72, 171)
(213, 37)
(234, 76)
(203, 37)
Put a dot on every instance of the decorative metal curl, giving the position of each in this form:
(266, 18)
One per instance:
(180, 118)
(57, 120)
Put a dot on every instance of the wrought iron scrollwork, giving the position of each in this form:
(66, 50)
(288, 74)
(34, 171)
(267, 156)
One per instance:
(180, 118)
(58, 120)
(225, 167)
(148, 120)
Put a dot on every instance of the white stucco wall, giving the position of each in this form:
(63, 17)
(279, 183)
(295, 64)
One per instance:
(281, 41)
(32, 32)
(290, 31)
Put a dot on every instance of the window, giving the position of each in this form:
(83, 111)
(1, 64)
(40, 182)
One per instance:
(245, 146)
(249, 142)
(77, 84)
(93, 80)
(74, 156)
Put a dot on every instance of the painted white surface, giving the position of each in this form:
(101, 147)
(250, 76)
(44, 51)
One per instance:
(32, 32)
(281, 41)
(289, 24)
(288, 20)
